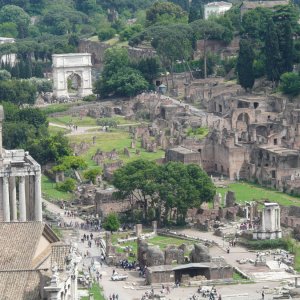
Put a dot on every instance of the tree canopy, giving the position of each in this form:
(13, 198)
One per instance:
(165, 189)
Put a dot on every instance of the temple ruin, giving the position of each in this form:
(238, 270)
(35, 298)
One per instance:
(20, 175)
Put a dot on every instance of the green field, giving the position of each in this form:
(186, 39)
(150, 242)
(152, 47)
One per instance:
(248, 192)
(66, 120)
(54, 130)
(107, 141)
(51, 193)
(162, 241)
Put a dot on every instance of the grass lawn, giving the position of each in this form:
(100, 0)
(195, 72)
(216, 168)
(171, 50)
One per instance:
(97, 291)
(248, 192)
(162, 241)
(51, 193)
(58, 107)
(107, 141)
(66, 120)
(54, 130)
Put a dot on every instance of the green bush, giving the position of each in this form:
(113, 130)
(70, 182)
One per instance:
(264, 244)
(106, 34)
(290, 84)
(68, 185)
(108, 122)
(90, 98)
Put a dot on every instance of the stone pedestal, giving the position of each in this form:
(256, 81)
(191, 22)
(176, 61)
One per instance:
(138, 230)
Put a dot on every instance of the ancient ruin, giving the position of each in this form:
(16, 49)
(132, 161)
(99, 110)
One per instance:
(20, 175)
(75, 67)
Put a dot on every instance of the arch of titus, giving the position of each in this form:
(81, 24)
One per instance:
(71, 64)
(20, 185)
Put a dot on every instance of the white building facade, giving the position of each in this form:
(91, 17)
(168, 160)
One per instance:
(216, 9)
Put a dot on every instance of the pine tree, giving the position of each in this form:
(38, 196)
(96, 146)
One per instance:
(245, 65)
(272, 53)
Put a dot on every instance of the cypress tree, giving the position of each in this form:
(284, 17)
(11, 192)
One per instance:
(272, 53)
(196, 10)
(244, 65)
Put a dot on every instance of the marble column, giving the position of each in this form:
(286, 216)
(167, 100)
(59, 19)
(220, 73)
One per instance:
(6, 209)
(22, 199)
(38, 197)
(13, 198)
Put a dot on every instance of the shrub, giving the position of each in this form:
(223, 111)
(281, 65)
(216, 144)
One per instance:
(290, 84)
(68, 185)
(264, 244)
(106, 34)
(108, 122)
(90, 98)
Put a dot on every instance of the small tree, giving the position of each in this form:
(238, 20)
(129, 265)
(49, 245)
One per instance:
(111, 222)
(92, 174)
(290, 84)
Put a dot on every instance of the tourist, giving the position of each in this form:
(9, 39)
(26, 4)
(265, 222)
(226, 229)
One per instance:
(220, 297)
(263, 295)
(117, 297)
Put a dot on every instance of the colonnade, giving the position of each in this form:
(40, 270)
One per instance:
(9, 198)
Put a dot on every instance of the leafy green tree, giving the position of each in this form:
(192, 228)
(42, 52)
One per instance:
(272, 53)
(136, 181)
(70, 162)
(182, 187)
(15, 14)
(163, 13)
(106, 33)
(172, 43)
(254, 23)
(68, 185)
(290, 84)
(17, 91)
(184, 4)
(9, 29)
(92, 174)
(130, 31)
(208, 30)
(49, 148)
(17, 134)
(4, 75)
(111, 222)
(149, 67)
(244, 65)
(118, 78)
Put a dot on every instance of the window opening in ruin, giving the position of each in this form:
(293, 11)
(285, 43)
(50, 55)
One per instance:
(222, 169)
(275, 141)
(220, 108)
(158, 82)
(269, 117)
(199, 150)
(273, 174)
(256, 104)
(216, 167)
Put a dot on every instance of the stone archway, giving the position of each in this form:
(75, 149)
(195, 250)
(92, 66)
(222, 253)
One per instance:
(74, 66)
(74, 82)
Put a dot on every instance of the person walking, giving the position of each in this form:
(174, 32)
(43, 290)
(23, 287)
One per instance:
(263, 295)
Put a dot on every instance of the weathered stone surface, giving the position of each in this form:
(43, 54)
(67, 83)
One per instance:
(200, 254)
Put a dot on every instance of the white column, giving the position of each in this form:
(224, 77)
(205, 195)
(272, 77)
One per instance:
(13, 198)
(6, 209)
(38, 215)
(22, 199)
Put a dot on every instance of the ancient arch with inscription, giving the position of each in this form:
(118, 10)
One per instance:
(74, 68)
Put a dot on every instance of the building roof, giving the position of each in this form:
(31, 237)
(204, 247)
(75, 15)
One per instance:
(20, 285)
(192, 265)
(279, 150)
(182, 150)
(265, 4)
(19, 242)
(216, 4)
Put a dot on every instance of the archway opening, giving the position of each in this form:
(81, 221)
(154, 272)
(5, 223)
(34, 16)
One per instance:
(74, 84)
